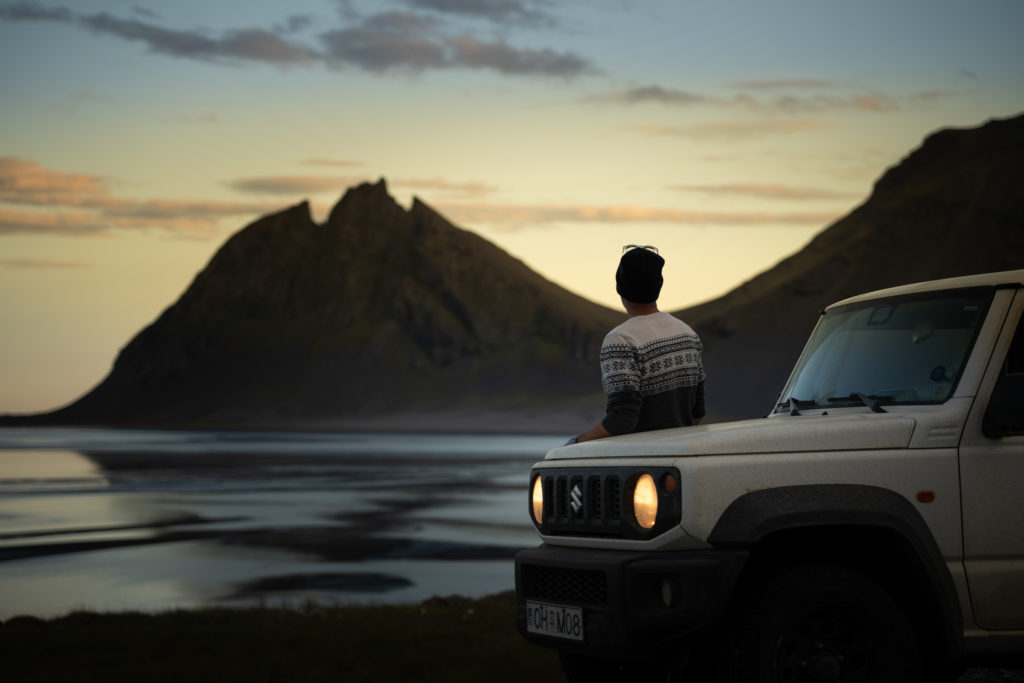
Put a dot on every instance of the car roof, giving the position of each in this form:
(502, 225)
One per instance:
(1009, 278)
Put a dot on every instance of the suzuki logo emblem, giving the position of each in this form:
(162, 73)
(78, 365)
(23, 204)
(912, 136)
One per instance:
(576, 499)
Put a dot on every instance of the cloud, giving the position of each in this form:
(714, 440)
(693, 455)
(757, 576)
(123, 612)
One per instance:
(79, 204)
(176, 209)
(729, 130)
(496, 11)
(773, 97)
(503, 58)
(145, 12)
(42, 264)
(873, 102)
(471, 189)
(766, 191)
(650, 93)
(26, 182)
(33, 11)
(379, 43)
(246, 44)
(304, 185)
(789, 84)
(294, 185)
(408, 23)
(57, 222)
(294, 24)
(402, 41)
(377, 50)
(513, 218)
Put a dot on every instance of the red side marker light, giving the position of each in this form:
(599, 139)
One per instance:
(925, 496)
(669, 483)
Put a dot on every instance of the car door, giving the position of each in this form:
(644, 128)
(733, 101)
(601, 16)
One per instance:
(992, 483)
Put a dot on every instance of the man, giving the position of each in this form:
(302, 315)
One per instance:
(651, 364)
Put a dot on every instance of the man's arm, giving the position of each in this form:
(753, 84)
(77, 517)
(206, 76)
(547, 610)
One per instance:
(596, 432)
(622, 413)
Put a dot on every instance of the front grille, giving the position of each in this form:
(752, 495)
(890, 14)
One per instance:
(569, 586)
(590, 501)
(584, 500)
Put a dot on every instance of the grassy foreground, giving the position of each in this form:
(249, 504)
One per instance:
(444, 639)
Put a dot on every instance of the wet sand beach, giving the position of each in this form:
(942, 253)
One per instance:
(113, 520)
(120, 522)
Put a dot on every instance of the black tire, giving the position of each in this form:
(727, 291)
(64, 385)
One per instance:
(812, 624)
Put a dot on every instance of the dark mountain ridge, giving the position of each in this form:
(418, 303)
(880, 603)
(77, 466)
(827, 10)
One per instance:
(379, 309)
(386, 318)
(953, 207)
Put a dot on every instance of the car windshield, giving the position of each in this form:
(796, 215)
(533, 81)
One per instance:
(882, 352)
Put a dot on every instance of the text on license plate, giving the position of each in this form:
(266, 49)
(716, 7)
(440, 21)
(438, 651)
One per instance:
(554, 620)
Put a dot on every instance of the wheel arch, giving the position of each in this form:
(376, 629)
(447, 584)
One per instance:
(870, 529)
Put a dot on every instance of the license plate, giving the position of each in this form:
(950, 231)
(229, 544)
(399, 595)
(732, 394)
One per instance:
(554, 620)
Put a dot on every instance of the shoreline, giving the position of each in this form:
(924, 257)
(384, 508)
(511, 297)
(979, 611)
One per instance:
(555, 417)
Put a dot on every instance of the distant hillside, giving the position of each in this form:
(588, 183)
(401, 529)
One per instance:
(384, 318)
(953, 207)
(379, 311)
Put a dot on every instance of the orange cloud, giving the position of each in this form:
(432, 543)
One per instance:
(766, 191)
(295, 185)
(26, 182)
(79, 204)
(41, 264)
(726, 130)
(67, 223)
(436, 184)
(786, 96)
(512, 218)
(789, 83)
(303, 185)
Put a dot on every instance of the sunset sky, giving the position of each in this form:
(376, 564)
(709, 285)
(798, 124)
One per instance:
(136, 136)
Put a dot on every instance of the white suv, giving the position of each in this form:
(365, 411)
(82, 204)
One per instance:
(870, 529)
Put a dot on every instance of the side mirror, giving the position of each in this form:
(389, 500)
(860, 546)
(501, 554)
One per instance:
(1005, 413)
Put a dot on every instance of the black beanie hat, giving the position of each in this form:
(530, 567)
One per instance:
(638, 278)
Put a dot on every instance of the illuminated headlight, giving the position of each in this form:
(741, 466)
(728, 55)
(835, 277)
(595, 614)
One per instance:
(645, 501)
(538, 500)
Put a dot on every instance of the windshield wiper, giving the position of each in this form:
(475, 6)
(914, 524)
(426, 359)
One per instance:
(794, 405)
(870, 400)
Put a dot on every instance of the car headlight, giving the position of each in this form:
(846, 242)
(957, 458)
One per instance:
(645, 501)
(538, 500)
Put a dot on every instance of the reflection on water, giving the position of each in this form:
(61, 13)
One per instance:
(30, 471)
(108, 519)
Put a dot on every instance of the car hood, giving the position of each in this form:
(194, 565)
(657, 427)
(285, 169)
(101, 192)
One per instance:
(766, 435)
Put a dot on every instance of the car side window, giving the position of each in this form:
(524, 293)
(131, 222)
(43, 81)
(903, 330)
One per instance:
(1005, 413)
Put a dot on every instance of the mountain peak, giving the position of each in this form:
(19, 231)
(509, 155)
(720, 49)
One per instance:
(365, 203)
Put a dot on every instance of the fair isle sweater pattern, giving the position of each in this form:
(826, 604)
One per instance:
(653, 367)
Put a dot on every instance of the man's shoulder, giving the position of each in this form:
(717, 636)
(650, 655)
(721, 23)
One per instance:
(644, 329)
(679, 324)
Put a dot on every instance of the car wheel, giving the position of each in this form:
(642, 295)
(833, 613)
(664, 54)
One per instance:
(820, 624)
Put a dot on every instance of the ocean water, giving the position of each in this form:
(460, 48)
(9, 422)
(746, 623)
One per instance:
(105, 519)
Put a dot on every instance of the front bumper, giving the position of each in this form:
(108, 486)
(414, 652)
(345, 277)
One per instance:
(636, 605)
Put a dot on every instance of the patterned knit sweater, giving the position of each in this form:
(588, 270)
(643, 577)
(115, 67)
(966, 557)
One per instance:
(653, 374)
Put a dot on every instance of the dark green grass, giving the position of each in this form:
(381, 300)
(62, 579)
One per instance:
(451, 639)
